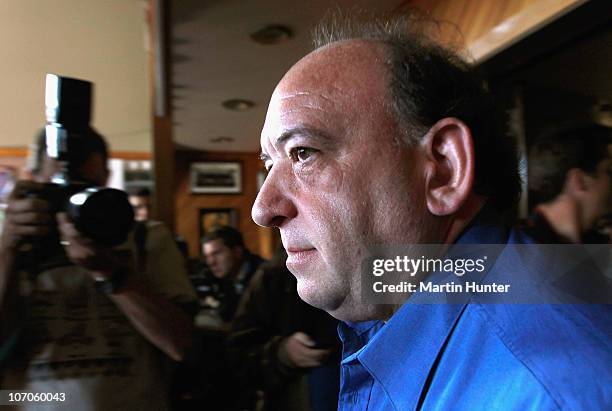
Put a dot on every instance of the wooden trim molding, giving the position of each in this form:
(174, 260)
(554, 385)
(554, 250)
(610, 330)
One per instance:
(520, 25)
(131, 155)
(124, 155)
(13, 152)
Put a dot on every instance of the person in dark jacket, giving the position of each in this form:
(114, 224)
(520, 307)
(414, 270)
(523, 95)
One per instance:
(231, 266)
(283, 346)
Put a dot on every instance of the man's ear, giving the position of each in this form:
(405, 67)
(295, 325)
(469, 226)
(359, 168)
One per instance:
(449, 153)
(576, 182)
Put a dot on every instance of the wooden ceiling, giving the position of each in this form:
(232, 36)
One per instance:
(483, 27)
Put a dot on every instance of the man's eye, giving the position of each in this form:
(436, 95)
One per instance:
(301, 154)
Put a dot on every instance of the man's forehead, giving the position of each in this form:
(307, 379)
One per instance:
(329, 84)
(338, 65)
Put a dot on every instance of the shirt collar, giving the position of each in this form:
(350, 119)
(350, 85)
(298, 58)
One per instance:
(401, 353)
(355, 336)
(401, 356)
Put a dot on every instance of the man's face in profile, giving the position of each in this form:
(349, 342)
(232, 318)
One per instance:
(339, 181)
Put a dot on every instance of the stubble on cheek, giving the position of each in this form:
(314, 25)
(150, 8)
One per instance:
(332, 219)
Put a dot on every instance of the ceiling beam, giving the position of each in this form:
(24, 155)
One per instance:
(517, 27)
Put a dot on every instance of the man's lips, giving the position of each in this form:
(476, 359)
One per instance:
(298, 256)
(298, 249)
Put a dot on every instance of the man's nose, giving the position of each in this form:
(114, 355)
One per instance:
(273, 206)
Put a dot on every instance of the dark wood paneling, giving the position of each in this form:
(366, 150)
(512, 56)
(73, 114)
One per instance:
(259, 240)
(163, 146)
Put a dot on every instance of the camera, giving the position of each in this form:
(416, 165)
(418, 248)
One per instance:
(101, 214)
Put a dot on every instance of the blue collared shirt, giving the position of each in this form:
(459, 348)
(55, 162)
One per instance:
(473, 356)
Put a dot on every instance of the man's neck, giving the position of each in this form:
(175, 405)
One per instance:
(463, 217)
(455, 227)
(562, 214)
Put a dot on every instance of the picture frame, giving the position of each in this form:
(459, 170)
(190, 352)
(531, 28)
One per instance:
(213, 217)
(216, 177)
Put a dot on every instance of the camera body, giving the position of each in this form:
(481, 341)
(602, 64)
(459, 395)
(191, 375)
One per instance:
(102, 214)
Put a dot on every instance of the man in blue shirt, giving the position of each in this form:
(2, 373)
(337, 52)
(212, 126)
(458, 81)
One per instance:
(382, 137)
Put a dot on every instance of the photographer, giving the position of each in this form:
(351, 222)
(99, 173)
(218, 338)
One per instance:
(82, 321)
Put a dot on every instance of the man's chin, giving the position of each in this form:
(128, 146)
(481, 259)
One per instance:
(323, 298)
(340, 305)
(318, 296)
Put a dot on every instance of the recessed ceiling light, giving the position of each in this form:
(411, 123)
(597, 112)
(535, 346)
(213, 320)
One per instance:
(238, 104)
(272, 34)
(222, 139)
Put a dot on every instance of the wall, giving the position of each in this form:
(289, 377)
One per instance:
(259, 240)
(100, 41)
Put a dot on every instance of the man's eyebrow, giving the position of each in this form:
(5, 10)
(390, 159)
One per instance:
(305, 131)
(302, 131)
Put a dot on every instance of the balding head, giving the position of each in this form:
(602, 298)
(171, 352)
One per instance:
(346, 173)
(329, 140)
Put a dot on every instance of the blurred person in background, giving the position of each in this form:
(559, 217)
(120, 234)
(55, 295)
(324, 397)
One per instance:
(231, 266)
(284, 347)
(570, 183)
(140, 200)
(207, 380)
(86, 322)
(152, 238)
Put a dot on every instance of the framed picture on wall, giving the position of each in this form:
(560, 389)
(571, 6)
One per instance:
(216, 178)
(214, 217)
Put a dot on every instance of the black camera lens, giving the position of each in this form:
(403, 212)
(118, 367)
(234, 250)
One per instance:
(104, 215)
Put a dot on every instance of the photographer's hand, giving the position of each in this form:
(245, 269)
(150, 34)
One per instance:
(161, 322)
(25, 218)
(99, 260)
